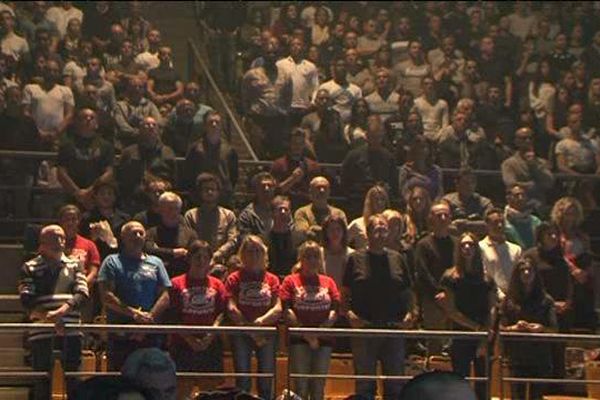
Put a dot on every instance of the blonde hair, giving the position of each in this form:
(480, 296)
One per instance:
(591, 98)
(561, 206)
(368, 205)
(304, 249)
(251, 240)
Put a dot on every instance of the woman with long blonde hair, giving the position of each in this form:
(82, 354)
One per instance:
(376, 200)
(253, 301)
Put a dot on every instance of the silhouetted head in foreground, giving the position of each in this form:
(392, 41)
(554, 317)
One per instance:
(437, 385)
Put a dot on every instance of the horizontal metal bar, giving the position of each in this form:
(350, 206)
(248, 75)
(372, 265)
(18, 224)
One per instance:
(550, 337)
(386, 333)
(180, 374)
(552, 380)
(24, 374)
(369, 377)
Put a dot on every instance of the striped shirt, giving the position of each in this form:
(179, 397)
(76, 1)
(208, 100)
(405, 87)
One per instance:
(45, 287)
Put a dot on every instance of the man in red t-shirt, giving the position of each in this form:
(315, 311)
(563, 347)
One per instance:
(198, 299)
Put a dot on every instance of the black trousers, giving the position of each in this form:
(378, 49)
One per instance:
(43, 361)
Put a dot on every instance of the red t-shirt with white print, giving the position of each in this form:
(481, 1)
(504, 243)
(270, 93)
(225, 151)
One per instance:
(84, 251)
(255, 293)
(311, 298)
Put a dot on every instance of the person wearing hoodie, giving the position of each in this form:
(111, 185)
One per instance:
(520, 223)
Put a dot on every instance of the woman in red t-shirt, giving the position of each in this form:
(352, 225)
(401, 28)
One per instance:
(310, 299)
(253, 301)
(198, 299)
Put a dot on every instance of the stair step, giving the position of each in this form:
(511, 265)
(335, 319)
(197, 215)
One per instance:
(10, 303)
(12, 358)
(11, 340)
(14, 393)
(11, 317)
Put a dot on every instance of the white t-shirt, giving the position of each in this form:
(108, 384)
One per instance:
(75, 72)
(434, 116)
(305, 80)
(47, 108)
(15, 46)
(61, 17)
(357, 234)
(499, 261)
(342, 97)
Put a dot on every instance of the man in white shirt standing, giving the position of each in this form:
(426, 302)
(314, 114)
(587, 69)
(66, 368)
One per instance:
(384, 100)
(433, 110)
(12, 44)
(305, 79)
(497, 254)
(343, 93)
(61, 15)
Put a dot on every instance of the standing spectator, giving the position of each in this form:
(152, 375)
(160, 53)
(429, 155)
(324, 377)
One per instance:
(358, 73)
(433, 110)
(119, 73)
(591, 116)
(283, 241)
(70, 43)
(458, 146)
(50, 105)
(521, 224)
(213, 224)
(289, 19)
(355, 131)
(257, 217)
(528, 308)
(294, 171)
(468, 300)
(376, 201)
(493, 69)
(131, 111)
(527, 170)
(170, 239)
(343, 94)
(418, 203)
(305, 80)
(12, 44)
(135, 290)
(164, 83)
(149, 59)
(419, 169)
(468, 207)
(499, 256)
(325, 130)
(522, 21)
(367, 165)
(84, 159)
(319, 29)
(111, 50)
(60, 16)
(370, 41)
(560, 57)
(541, 99)
(212, 154)
(267, 94)
(410, 73)
(310, 299)
(403, 127)
(377, 293)
(147, 195)
(384, 100)
(201, 300)
(29, 24)
(183, 127)
(309, 218)
(98, 22)
(106, 99)
(52, 287)
(553, 269)
(591, 55)
(335, 247)
(434, 255)
(253, 300)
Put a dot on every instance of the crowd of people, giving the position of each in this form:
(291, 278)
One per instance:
(397, 93)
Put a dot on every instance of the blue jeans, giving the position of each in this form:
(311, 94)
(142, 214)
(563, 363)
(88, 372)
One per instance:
(243, 346)
(390, 352)
(304, 360)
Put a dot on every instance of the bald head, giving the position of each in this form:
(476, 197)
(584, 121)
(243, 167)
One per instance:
(133, 236)
(319, 191)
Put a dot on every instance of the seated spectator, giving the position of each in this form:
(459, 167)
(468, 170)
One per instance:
(84, 159)
(456, 148)
(105, 90)
(591, 116)
(560, 58)
(50, 105)
(357, 73)
(182, 127)
(148, 156)
(433, 110)
(370, 41)
(310, 299)
(103, 223)
(257, 217)
(46, 299)
(499, 256)
(98, 21)
(213, 154)
(152, 370)
(201, 300)
(355, 131)
(411, 72)
(267, 93)
(308, 220)
(147, 196)
(60, 15)
(472, 85)
(126, 299)
(131, 112)
(149, 59)
(520, 223)
(191, 92)
(170, 239)
(419, 169)
(283, 240)
(111, 48)
(35, 20)
(467, 206)
(253, 300)
(70, 43)
(434, 255)
(528, 308)
(376, 201)
(294, 171)
(213, 224)
(367, 165)
(305, 80)
(342, 92)
(384, 100)
(164, 83)
(325, 130)
(527, 170)
(494, 117)
(12, 44)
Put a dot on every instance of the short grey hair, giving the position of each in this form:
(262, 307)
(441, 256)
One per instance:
(170, 197)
